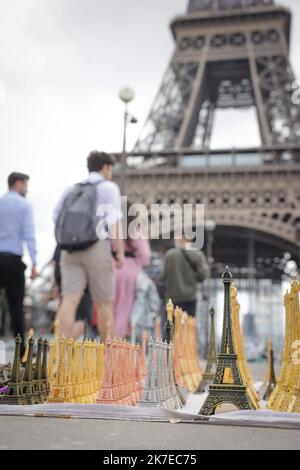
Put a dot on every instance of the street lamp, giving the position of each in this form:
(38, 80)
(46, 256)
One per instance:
(126, 95)
(210, 227)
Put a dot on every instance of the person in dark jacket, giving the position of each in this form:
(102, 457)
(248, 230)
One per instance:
(183, 270)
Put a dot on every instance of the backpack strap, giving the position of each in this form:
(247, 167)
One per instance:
(189, 261)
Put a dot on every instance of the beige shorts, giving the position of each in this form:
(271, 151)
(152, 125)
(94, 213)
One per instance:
(93, 268)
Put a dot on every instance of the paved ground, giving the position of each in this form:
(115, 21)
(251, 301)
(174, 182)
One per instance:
(44, 433)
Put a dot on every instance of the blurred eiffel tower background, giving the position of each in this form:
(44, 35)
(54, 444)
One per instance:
(230, 54)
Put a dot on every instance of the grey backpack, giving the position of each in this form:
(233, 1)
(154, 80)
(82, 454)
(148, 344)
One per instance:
(77, 222)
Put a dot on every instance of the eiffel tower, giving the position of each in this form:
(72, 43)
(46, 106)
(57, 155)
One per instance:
(219, 392)
(229, 54)
(209, 373)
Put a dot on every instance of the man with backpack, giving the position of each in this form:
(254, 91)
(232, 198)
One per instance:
(86, 258)
(183, 270)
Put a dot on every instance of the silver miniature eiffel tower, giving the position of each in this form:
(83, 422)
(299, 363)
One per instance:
(150, 398)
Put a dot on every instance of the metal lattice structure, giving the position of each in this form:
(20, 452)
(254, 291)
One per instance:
(221, 392)
(202, 5)
(229, 54)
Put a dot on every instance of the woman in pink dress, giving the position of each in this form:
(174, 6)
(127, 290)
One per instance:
(137, 255)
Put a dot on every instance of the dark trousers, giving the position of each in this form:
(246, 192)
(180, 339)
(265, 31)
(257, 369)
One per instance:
(189, 307)
(12, 279)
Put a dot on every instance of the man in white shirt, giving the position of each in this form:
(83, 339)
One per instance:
(93, 266)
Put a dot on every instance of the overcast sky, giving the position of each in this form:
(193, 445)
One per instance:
(62, 63)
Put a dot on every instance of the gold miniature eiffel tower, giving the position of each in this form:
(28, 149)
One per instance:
(58, 390)
(188, 377)
(94, 369)
(271, 383)
(195, 357)
(56, 339)
(76, 373)
(268, 371)
(221, 392)
(169, 327)
(14, 394)
(86, 371)
(51, 365)
(286, 396)
(30, 335)
(240, 348)
(212, 357)
(179, 365)
(69, 372)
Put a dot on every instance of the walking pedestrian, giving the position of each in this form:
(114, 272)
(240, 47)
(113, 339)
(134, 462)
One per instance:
(183, 270)
(16, 229)
(137, 255)
(86, 258)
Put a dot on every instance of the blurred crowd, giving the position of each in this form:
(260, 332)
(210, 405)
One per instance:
(101, 278)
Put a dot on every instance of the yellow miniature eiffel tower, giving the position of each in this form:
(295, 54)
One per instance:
(77, 373)
(271, 382)
(51, 365)
(169, 322)
(85, 385)
(179, 361)
(211, 364)
(58, 390)
(286, 396)
(221, 391)
(282, 381)
(69, 370)
(196, 366)
(30, 335)
(94, 369)
(240, 349)
(56, 339)
(268, 371)
(188, 376)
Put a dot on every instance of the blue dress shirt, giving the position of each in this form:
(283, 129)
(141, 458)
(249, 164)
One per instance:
(16, 225)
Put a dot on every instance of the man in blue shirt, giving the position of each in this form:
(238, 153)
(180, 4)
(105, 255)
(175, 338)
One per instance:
(16, 228)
